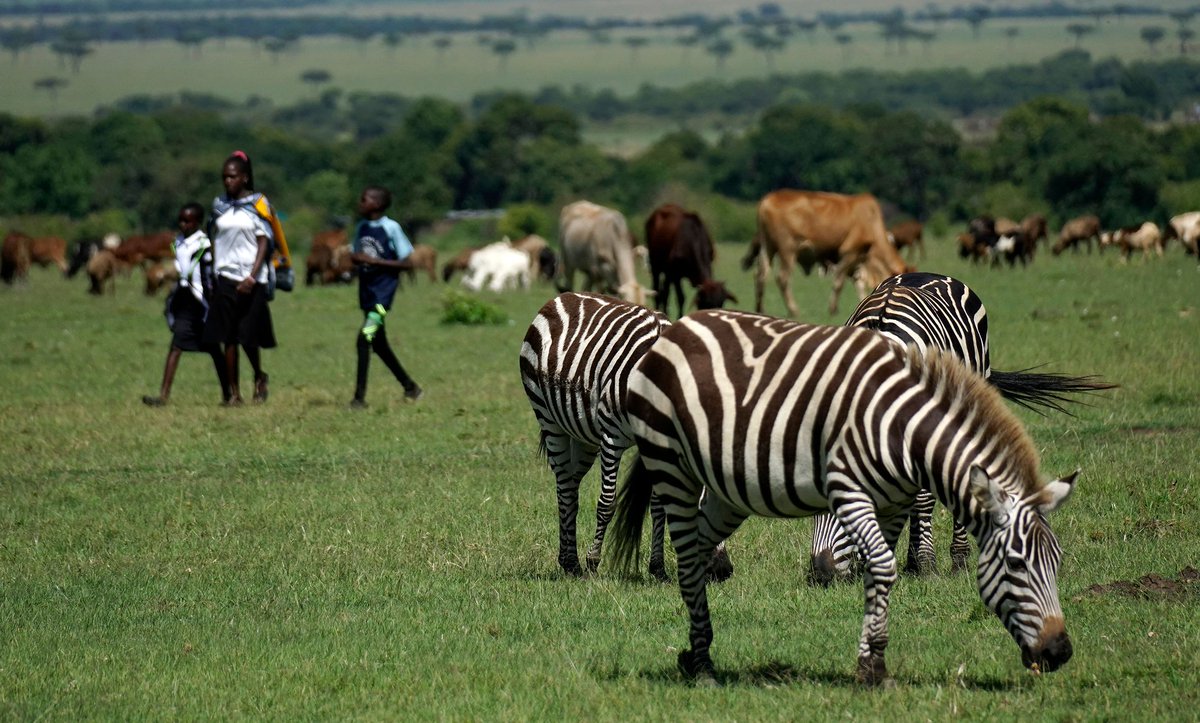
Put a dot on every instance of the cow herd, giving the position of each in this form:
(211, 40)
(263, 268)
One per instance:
(841, 235)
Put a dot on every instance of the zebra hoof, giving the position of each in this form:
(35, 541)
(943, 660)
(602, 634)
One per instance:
(593, 562)
(958, 564)
(659, 571)
(698, 669)
(872, 672)
(571, 567)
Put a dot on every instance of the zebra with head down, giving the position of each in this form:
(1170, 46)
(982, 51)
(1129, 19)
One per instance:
(774, 418)
(934, 311)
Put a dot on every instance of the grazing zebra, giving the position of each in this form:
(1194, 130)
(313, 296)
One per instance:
(774, 418)
(933, 310)
(575, 365)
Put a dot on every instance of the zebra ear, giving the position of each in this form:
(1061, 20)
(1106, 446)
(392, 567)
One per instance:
(989, 495)
(1056, 492)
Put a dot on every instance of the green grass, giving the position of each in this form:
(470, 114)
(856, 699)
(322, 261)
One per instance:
(236, 71)
(299, 560)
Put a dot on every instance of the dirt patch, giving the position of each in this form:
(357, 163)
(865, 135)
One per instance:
(1184, 587)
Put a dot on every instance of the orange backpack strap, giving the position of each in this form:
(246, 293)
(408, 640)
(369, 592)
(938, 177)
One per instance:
(263, 207)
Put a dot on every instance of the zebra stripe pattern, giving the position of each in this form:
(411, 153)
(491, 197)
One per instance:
(774, 418)
(933, 310)
(575, 366)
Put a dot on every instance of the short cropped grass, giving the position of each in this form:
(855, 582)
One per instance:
(300, 560)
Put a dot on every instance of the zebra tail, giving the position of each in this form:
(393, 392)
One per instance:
(625, 532)
(1039, 392)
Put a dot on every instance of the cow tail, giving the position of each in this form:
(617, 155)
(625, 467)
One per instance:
(755, 247)
(1038, 391)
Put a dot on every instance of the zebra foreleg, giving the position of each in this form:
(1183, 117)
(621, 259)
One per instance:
(610, 462)
(876, 539)
(960, 549)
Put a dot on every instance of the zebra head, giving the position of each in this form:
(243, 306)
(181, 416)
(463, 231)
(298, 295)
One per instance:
(1018, 566)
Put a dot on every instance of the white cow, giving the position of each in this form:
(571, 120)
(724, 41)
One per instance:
(498, 265)
(595, 240)
(1186, 228)
(1146, 237)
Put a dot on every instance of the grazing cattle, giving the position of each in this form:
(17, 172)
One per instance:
(1076, 231)
(14, 257)
(595, 240)
(84, 251)
(1033, 228)
(48, 250)
(102, 269)
(330, 238)
(423, 258)
(329, 264)
(813, 228)
(542, 261)
(1146, 237)
(908, 234)
(458, 263)
(136, 250)
(1186, 228)
(498, 265)
(160, 275)
(679, 247)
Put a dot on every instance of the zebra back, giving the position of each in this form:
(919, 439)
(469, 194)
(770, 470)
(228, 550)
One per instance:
(576, 359)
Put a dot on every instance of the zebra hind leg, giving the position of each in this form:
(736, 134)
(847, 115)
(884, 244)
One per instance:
(922, 559)
(960, 549)
(570, 462)
(832, 556)
(658, 565)
(610, 461)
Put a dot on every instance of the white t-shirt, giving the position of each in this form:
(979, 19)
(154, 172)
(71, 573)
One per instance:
(236, 243)
(189, 252)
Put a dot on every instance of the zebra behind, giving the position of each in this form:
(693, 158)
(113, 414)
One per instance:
(934, 310)
(575, 366)
(774, 418)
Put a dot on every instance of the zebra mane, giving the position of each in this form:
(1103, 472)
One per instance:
(969, 390)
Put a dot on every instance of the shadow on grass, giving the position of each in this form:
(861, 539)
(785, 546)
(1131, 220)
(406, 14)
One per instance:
(776, 674)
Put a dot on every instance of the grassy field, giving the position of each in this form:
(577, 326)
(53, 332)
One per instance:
(299, 560)
(236, 71)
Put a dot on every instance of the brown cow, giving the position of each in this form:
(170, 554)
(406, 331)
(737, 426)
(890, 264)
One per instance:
(157, 276)
(812, 227)
(679, 247)
(908, 234)
(102, 271)
(331, 238)
(1033, 229)
(14, 257)
(49, 250)
(136, 250)
(1083, 228)
(424, 257)
(1147, 237)
(459, 263)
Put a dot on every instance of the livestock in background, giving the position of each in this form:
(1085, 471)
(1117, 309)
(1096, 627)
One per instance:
(812, 228)
(499, 266)
(969, 248)
(1146, 237)
(908, 235)
(329, 238)
(679, 247)
(422, 258)
(1186, 228)
(458, 263)
(543, 264)
(874, 422)
(102, 267)
(159, 276)
(14, 257)
(1034, 229)
(48, 251)
(138, 250)
(1083, 229)
(329, 265)
(596, 242)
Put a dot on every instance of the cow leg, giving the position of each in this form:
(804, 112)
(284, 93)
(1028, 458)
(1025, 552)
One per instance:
(840, 272)
(760, 279)
(784, 280)
(678, 295)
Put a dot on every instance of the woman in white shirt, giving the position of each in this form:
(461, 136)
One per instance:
(239, 314)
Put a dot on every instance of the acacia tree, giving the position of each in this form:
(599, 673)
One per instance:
(844, 40)
(635, 43)
(441, 44)
(1078, 30)
(1152, 35)
(391, 41)
(1185, 36)
(1010, 34)
(720, 49)
(51, 85)
(503, 49)
(975, 16)
(316, 77)
(191, 39)
(16, 41)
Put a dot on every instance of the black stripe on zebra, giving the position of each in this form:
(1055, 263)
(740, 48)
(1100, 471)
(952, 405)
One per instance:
(774, 418)
(934, 310)
(575, 364)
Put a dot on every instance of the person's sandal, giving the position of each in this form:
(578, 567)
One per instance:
(150, 401)
(260, 389)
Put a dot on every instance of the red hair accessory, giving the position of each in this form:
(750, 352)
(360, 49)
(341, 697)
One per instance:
(240, 154)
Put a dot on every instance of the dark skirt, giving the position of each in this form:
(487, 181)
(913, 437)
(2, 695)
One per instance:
(188, 313)
(243, 319)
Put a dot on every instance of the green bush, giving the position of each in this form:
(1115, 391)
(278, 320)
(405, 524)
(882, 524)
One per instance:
(522, 219)
(461, 308)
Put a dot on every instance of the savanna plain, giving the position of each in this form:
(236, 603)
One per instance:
(300, 560)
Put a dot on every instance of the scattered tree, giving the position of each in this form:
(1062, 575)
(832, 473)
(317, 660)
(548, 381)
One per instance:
(316, 77)
(1011, 33)
(1185, 37)
(503, 49)
(635, 43)
(1152, 35)
(975, 16)
(51, 85)
(441, 44)
(844, 40)
(16, 41)
(191, 39)
(720, 49)
(1078, 30)
(391, 41)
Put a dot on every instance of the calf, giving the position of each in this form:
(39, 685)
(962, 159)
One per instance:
(423, 257)
(908, 234)
(498, 265)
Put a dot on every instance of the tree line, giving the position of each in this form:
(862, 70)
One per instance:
(131, 170)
